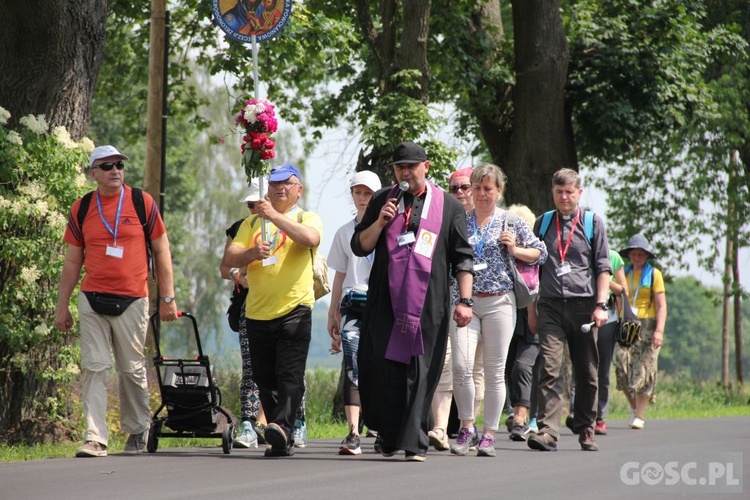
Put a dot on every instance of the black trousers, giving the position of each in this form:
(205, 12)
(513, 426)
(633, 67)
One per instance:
(521, 377)
(560, 321)
(606, 345)
(278, 352)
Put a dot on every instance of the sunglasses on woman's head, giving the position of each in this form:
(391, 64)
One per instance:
(462, 187)
(110, 165)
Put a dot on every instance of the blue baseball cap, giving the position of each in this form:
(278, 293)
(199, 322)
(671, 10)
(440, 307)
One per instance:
(283, 172)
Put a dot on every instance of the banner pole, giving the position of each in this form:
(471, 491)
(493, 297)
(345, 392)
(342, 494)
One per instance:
(256, 90)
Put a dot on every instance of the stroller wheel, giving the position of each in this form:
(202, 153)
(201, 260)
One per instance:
(227, 438)
(153, 437)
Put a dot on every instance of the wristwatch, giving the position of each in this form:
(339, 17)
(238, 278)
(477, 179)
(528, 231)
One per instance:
(168, 300)
(603, 305)
(469, 301)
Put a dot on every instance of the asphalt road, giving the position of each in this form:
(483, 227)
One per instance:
(702, 458)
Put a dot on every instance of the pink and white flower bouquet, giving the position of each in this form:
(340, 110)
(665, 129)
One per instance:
(258, 120)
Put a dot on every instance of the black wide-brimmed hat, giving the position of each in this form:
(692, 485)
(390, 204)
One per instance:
(638, 241)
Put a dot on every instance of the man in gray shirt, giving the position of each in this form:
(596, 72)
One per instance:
(574, 283)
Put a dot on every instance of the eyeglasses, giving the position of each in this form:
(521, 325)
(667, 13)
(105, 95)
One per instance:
(250, 204)
(284, 184)
(110, 165)
(462, 187)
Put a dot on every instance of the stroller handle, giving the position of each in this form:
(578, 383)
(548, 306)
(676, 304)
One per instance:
(180, 314)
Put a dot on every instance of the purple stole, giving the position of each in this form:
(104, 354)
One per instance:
(409, 269)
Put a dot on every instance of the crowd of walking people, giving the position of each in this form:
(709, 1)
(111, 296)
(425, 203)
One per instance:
(423, 306)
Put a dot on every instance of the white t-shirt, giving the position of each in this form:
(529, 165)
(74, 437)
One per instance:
(342, 260)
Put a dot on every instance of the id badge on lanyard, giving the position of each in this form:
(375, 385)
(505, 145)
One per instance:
(113, 250)
(407, 237)
(564, 267)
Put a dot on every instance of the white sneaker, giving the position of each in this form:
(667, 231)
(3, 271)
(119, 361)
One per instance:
(631, 417)
(247, 437)
(638, 423)
(299, 432)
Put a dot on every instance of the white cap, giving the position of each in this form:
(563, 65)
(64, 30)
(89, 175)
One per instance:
(253, 193)
(104, 152)
(366, 178)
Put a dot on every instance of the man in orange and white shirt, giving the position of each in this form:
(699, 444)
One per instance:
(111, 246)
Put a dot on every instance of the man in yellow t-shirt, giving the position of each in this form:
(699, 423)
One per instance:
(280, 299)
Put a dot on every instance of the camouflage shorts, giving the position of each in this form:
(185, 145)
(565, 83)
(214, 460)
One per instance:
(636, 366)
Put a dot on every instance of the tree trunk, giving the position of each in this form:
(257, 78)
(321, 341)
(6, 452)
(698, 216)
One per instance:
(725, 315)
(542, 139)
(51, 54)
(393, 54)
(413, 50)
(495, 121)
(736, 290)
(52, 51)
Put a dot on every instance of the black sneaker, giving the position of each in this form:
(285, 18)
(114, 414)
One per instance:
(350, 445)
(288, 451)
(276, 437)
(519, 432)
(378, 445)
(509, 422)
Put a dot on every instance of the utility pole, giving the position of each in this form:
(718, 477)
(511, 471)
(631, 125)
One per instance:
(154, 125)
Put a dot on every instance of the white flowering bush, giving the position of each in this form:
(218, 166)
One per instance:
(40, 176)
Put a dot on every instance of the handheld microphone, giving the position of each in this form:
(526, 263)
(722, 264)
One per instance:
(403, 187)
(587, 327)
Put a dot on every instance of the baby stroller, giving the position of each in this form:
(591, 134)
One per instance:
(190, 395)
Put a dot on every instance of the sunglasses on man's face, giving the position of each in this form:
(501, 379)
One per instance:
(462, 187)
(110, 165)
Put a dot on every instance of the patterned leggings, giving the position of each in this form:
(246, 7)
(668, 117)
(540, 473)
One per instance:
(351, 321)
(249, 393)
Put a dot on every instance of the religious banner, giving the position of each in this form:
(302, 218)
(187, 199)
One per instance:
(242, 20)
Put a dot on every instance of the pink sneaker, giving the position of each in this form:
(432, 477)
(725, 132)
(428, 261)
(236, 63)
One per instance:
(601, 427)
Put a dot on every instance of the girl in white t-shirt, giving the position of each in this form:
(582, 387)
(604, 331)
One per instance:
(348, 299)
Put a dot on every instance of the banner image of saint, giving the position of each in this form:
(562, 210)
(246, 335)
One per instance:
(243, 19)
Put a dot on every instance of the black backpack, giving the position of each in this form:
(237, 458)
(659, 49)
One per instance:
(140, 209)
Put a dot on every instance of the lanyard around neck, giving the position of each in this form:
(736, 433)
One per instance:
(480, 244)
(407, 212)
(564, 250)
(117, 216)
(275, 236)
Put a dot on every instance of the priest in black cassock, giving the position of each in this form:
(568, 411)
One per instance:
(419, 238)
